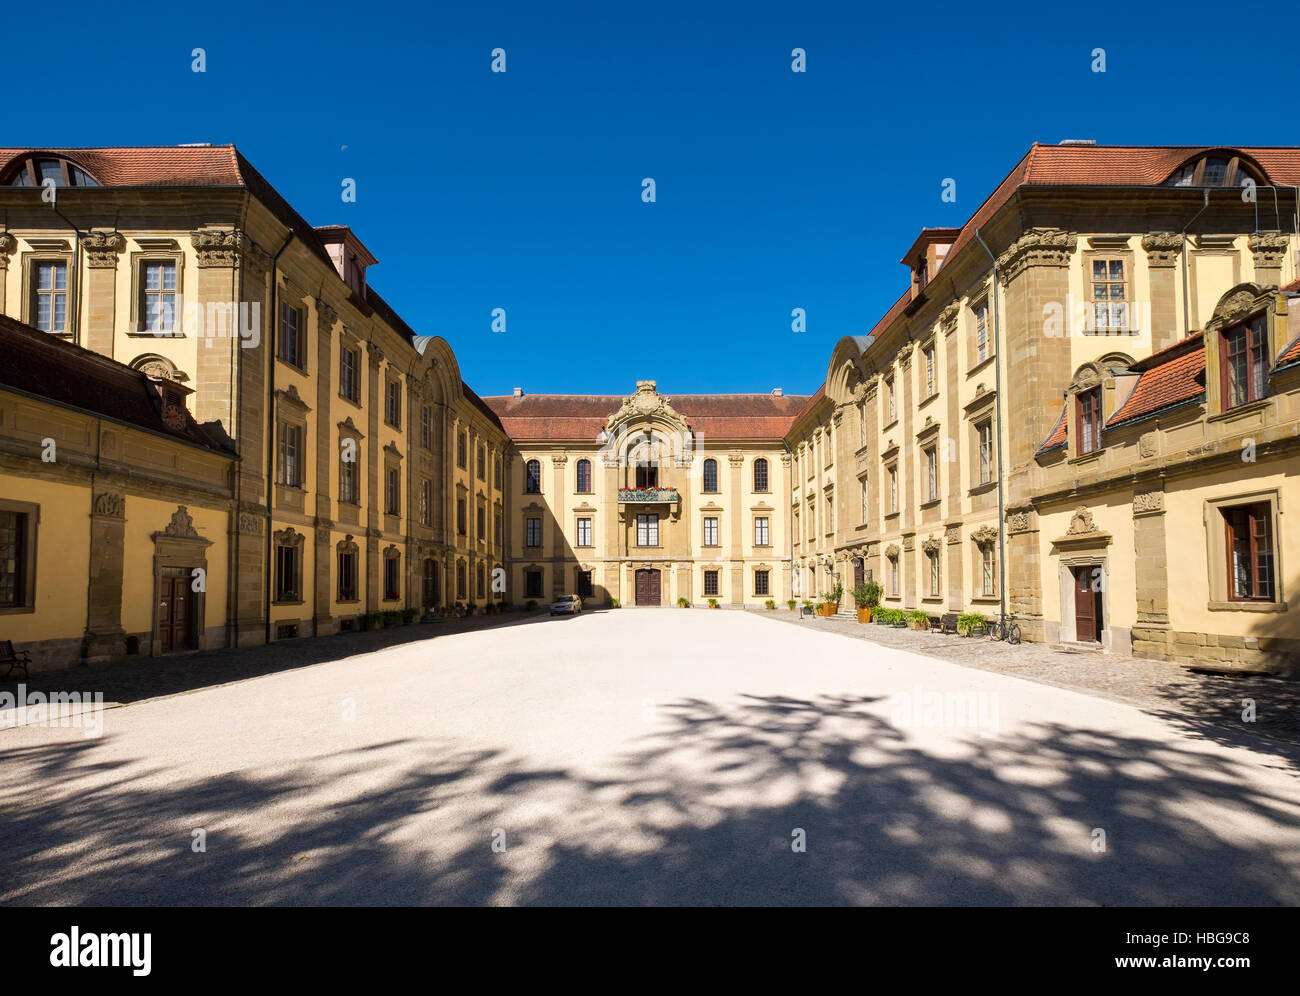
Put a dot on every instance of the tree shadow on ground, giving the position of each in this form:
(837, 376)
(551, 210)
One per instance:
(703, 811)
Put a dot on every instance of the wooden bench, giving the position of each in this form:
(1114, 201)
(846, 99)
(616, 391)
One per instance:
(936, 624)
(20, 659)
(948, 623)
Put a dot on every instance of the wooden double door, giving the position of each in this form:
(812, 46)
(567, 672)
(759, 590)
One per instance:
(1088, 622)
(176, 610)
(648, 590)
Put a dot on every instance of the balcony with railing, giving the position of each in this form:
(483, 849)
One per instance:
(648, 496)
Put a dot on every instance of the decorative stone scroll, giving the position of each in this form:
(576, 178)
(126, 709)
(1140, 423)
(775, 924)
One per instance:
(1162, 248)
(985, 536)
(219, 247)
(102, 249)
(932, 545)
(1269, 249)
(1037, 247)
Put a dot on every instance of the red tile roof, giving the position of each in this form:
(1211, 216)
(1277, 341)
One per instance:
(1172, 376)
(46, 367)
(149, 165)
(537, 417)
(1057, 437)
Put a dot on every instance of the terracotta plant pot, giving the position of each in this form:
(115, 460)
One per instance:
(864, 615)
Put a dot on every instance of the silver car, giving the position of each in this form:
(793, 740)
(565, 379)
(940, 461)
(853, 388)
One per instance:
(571, 604)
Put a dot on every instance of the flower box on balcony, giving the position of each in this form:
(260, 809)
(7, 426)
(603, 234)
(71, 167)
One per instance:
(648, 495)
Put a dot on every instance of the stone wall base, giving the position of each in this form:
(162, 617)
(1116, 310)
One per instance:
(1269, 655)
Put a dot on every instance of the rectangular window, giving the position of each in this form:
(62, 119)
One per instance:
(347, 577)
(1089, 409)
(984, 432)
(496, 525)
(158, 304)
(762, 536)
(533, 584)
(50, 301)
(1250, 553)
(290, 455)
(760, 583)
(533, 532)
(987, 586)
(930, 383)
(480, 522)
(462, 517)
(863, 484)
(480, 581)
(393, 491)
(934, 574)
(1244, 363)
(393, 404)
(584, 532)
(830, 514)
(889, 394)
(349, 473)
(286, 574)
(710, 583)
(461, 589)
(711, 531)
(862, 425)
(893, 489)
(350, 374)
(462, 451)
(981, 333)
(291, 347)
(893, 575)
(647, 530)
(647, 475)
(932, 474)
(426, 502)
(482, 463)
(392, 579)
(1109, 304)
(15, 558)
(426, 427)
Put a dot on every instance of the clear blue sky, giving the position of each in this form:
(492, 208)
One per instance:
(776, 190)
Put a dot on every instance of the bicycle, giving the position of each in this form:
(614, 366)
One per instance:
(1005, 629)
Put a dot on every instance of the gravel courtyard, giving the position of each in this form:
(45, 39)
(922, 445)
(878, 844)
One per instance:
(645, 756)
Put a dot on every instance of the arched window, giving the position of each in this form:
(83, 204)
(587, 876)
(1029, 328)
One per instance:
(33, 169)
(584, 477)
(533, 477)
(760, 474)
(1217, 169)
(710, 475)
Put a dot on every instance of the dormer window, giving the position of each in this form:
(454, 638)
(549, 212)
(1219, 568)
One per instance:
(1216, 170)
(34, 171)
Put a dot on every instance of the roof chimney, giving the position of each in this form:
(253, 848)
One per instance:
(1077, 141)
(776, 392)
(519, 392)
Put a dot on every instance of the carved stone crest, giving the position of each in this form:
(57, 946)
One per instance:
(110, 505)
(953, 534)
(985, 536)
(1148, 502)
(932, 545)
(181, 525)
(250, 523)
(1081, 522)
(892, 551)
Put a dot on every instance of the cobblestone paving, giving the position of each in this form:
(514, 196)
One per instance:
(1202, 702)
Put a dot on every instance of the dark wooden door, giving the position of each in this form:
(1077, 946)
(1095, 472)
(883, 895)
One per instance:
(430, 582)
(1087, 606)
(647, 587)
(175, 610)
(857, 572)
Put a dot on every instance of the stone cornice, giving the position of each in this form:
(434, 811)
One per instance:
(1269, 248)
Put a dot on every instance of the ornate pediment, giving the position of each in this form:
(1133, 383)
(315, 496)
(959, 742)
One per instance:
(1235, 304)
(1081, 522)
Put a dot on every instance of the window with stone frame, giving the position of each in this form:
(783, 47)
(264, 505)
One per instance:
(462, 450)
(1243, 362)
(931, 372)
(426, 502)
(159, 296)
(582, 475)
(350, 374)
(985, 457)
(393, 403)
(18, 524)
(1108, 289)
(891, 403)
(932, 558)
(584, 531)
(291, 337)
(586, 584)
(392, 575)
(830, 513)
(532, 584)
(482, 463)
(711, 530)
(462, 589)
(710, 476)
(1088, 419)
(496, 525)
(891, 569)
(287, 547)
(891, 473)
(290, 446)
(533, 477)
(761, 582)
(762, 531)
(348, 554)
(866, 504)
(1251, 556)
(426, 428)
(862, 425)
(480, 521)
(983, 349)
(760, 475)
(988, 571)
(647, 530)
(462, 517)
(533, 532)
(49, 296)
(480, 580)
(710, 583)
(393, 490)
(931, 473)
(349, 470)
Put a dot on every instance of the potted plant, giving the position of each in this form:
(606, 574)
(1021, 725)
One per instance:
(791, 604)
(613, 603)
(372, 621)
(408, 616)
(971, 624)
(918, 620)
(807, 607)
(713, 603)
(682, 603)
(770, 603)
(867, 597)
